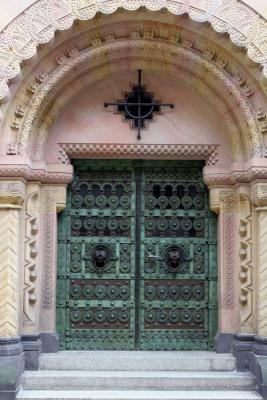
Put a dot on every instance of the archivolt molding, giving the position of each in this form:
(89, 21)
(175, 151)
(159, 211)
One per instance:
(201, 71)
(38, 24)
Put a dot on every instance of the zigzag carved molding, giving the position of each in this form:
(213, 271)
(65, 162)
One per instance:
(9, 230)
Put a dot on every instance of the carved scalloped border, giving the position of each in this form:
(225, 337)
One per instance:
(229, 87)
(37, 25)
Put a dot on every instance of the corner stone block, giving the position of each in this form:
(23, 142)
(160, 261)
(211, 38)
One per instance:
(11, 367)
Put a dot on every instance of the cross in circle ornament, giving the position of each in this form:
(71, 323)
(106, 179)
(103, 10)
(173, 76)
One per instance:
(138, 106)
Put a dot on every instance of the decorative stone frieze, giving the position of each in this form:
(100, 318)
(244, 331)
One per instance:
(247, 274)
(31, 273)
(236, 173)
(259, 196)
(38, 24)
(223, 202)
(54, 173)
(238, 277)
(11, 198)
(11, 194)
(152, 151)
(53, 201)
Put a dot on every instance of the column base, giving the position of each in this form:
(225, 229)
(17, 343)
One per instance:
(32, 347)
(251, 354)
(50, 342)
(223, 342)
(11, 367)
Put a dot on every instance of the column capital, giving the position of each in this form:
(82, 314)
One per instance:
(222, 199)
(259, 194)
(54, 197)
(12, 193)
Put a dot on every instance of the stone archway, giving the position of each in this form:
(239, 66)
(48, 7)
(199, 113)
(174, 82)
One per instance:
(33, 186)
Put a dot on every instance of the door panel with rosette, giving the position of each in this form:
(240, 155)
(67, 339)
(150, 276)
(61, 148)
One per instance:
(137, 258)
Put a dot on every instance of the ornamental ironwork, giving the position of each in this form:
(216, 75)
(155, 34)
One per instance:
(138, 106)
(137, 255)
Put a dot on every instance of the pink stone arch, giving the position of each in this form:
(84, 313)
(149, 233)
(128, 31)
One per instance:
(38, 24)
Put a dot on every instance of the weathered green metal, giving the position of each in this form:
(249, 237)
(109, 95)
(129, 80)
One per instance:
(137, 258)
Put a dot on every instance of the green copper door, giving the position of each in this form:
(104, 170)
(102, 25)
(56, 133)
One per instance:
(137, 258)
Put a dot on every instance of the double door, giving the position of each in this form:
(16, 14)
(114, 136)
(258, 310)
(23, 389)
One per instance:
(137, 257)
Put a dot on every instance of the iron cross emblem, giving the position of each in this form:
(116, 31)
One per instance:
(138, 106)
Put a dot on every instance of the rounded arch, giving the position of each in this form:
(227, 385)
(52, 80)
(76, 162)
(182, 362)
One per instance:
(198, 71)
(38, 24)
(236, 88)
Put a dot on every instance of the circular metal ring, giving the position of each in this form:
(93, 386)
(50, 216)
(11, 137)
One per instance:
(88, 291)
(75, 315)
(101, 201)
(100, 291)
(124, 316)
(198, 202)
(112, 292)
(150, 292)
(163, 201)
(89, 200)
(77, 200)
(75, 266)
(100, 316)
(76, 224)
(75, 291)
(113, 201)
(112, 316)
(125, 201)
(174, 202)
(88, 316)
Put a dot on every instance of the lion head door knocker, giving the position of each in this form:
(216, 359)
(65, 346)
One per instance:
(173, 258)
(101, 257)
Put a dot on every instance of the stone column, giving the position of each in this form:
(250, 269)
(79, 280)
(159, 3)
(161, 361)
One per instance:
(53, 201)
(223, 202)
(259, 191)
(11, 198)
(11, 350)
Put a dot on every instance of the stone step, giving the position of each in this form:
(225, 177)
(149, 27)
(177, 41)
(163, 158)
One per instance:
(136, 361)
(132, 380)
(136, 395)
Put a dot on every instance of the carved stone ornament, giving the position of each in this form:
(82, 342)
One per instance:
(222, 200)
(54, 200)
(259, 194)
(31, 257)
(245, 264)
(37, 25)
(11, 194)
(31, 137)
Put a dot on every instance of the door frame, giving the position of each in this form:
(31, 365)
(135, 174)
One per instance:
(146, 163)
